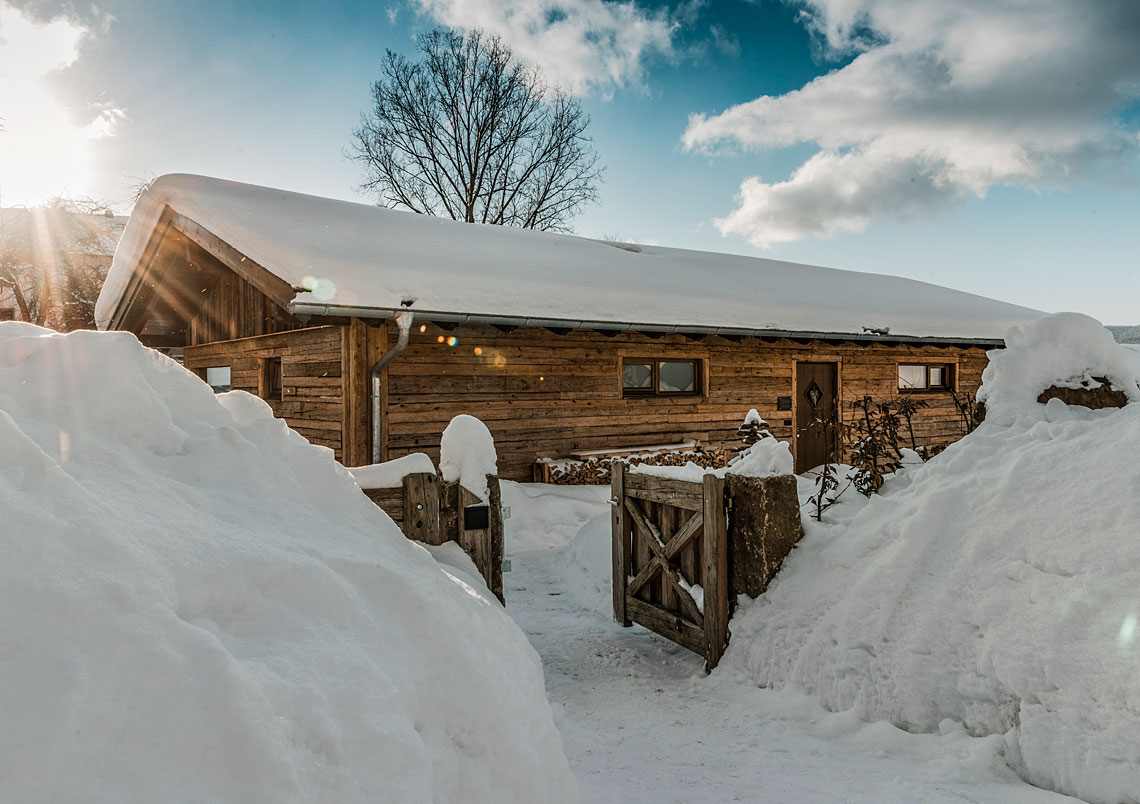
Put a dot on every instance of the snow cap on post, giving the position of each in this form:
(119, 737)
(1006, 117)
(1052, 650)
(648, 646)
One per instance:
(467, 454)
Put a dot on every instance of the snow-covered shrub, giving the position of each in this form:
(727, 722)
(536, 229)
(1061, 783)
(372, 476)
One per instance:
(753, 429)
(1067, 350)
(196, 604)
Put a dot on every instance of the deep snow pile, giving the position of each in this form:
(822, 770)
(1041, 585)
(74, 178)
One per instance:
(198, 605)
(995, 586)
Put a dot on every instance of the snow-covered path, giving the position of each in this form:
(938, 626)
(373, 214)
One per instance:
(641, 721)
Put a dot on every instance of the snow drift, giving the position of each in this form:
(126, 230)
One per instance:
(198, 605)
(995, 586)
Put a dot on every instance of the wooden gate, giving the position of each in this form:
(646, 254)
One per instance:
(670, 559)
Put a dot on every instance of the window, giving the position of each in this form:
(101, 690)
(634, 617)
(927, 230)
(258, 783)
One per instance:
(922, 377)
(218, 378)
(649, 377)
(269, 385)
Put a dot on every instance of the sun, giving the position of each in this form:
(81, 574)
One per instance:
(44, 151)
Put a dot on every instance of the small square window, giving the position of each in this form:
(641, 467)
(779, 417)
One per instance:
(218, 378)
(674, 377)
(922, 377)
(912, 376)
(647, 377)
(269, 386)
(637, 376)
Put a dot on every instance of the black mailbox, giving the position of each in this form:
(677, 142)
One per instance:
(476, 517)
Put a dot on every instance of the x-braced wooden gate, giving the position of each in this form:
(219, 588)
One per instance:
(670, 559)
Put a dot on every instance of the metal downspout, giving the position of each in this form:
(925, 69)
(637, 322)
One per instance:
(403, 320)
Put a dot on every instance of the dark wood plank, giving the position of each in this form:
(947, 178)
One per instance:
(716, 570)
(621, 545)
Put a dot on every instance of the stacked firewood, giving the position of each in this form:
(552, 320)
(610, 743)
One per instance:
(596, 471)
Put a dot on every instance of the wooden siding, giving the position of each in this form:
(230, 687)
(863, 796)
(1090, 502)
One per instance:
(547, 395)
(312, 400)
(234, 308)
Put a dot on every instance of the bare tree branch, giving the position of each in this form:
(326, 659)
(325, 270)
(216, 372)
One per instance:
(470, 133)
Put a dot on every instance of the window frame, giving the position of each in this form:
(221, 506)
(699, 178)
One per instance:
(271, 369)
(948, 378)
(653, 392)
(205, 374)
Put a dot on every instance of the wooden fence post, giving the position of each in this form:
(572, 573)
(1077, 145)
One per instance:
(621, 545)
(495, 539)
(421, 508)
(715, 546)
(483, 544)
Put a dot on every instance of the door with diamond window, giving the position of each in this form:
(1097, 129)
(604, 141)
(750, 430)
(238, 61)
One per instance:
(815, 398)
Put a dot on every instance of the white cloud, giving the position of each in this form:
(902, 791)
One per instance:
(580, 45)
(44, 149)
(942, 101)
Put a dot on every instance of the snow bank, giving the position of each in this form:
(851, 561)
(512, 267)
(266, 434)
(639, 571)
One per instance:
(1067, 349)
(391, 474)
(467, 454)
(544, 517)
(994, 586)
(589, 566)
(198, 605)
(768, 457)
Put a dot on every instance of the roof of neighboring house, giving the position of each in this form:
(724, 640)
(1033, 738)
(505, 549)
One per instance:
(343, 258)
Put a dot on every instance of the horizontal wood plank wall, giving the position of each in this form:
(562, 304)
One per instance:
(543, 394)
(311, 400)
(233, 308)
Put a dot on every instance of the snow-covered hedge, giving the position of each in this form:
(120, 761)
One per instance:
(994, 586)
(198, 605)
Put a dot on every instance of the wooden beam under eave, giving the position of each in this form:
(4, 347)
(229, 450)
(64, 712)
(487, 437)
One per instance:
(355, 396)
(138, 285)
(274, 287)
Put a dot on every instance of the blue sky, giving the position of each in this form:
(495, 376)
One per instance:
(976, 145)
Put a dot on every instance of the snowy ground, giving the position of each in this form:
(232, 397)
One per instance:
(641, 721)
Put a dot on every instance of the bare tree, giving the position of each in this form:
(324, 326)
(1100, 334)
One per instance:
(54, 258)
(469, 132)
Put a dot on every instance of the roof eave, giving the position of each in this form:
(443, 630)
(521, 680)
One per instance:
(349, 311)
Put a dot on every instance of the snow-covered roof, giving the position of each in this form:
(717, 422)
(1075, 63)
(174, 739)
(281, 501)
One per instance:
(359, 259)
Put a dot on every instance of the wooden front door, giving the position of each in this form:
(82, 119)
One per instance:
(816, 385)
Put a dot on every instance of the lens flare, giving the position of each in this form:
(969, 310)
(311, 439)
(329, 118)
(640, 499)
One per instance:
(452, 341)
(321, 288)
(1127, 631)
(478, 350)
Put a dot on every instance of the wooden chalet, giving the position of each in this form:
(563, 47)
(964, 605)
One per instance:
(368, 329)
